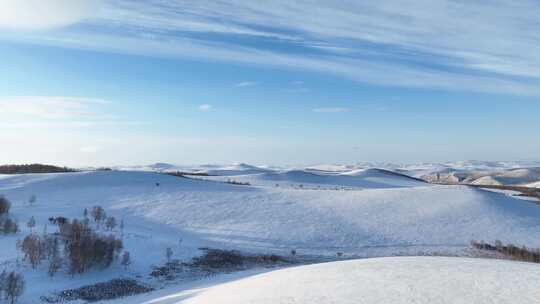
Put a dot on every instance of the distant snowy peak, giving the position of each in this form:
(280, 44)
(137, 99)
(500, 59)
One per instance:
(162, 167)
(518, 176)
(487, 180)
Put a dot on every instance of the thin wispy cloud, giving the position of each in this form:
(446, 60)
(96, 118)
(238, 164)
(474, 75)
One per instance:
(52, 107)
(35, 112)
(246, 84)
(205, 108)
(470, 46)
(330, 110)
(39, 15)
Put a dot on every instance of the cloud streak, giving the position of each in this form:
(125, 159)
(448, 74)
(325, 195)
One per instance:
(35, 112)
(38, 15)
(51, 107)
(205, 108)
(246, 84)
(450, 45)
(330, 110)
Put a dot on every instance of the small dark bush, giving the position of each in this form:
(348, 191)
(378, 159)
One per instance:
(5, 205)
(219, 259)
(8, 226)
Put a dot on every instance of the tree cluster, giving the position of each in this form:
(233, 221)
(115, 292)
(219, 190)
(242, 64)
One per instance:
(11, 286)
(76, 244)
(85, 248)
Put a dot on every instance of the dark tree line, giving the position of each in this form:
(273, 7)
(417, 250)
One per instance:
(32, 168)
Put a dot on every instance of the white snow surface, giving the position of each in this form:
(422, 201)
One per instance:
(412, 219)
(533, 185)
(420, 280)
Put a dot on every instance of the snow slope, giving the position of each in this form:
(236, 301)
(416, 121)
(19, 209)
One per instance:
(233, 170)
(420, 280)
(264, 218)
(368, 222)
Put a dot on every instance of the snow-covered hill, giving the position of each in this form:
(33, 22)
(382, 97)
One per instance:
(268, 218)
(520, 176)
(421, 280)
(163, 211)
(461, 172)
(363, 178)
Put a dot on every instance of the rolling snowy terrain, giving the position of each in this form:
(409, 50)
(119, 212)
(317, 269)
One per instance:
(422, 280)
(361, 213)
(461, 172)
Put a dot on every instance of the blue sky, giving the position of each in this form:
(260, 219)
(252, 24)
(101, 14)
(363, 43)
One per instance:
(126, 82)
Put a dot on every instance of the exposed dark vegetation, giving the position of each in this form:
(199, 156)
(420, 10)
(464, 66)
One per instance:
(113, 289)
(233, 182)
(192, 176)
(11, 286)
(218, 261)
(184, 174)
(511, 251)
(7, 225)
(33, 168)
(76, 244)
(227, 259)
(104, 169)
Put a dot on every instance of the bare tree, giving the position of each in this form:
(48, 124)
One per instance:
(31, 224)
(54, 264)
(168, 254)
(3, 277)
(110, 223)
(32, 247)
(122, 229)
(14, 286)
(126, 260)
(32, 200)
(98, 214)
